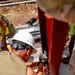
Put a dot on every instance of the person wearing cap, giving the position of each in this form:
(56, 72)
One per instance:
(6, 29)
(13, 62)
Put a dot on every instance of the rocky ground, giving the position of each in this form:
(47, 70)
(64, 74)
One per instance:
(20, 13)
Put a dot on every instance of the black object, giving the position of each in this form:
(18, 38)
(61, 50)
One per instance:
(66, 60)
(43, 59)
(31, 21)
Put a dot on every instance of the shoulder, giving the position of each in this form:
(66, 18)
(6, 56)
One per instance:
(4, 52)
(30, 71)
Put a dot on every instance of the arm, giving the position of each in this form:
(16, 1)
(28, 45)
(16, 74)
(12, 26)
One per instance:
(12, 30)
(3, 31)
(30, 71)
(40, 69)
(39, 72)
(2, 35)
(32, 64)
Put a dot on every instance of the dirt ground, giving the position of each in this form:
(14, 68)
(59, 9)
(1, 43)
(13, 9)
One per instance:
(19, 14)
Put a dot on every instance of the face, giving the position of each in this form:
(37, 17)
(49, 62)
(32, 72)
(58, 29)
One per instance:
(23, 52)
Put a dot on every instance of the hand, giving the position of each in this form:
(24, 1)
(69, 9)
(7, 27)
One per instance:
(32, 64)
(46, 70)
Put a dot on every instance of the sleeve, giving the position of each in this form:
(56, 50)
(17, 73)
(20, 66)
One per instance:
(12, 30)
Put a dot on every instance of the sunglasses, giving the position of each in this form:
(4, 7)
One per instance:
(18, 46)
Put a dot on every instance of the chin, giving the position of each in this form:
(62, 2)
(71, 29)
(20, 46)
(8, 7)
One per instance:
(25, 59)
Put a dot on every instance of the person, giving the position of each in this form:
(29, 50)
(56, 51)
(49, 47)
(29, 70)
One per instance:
(72, 39)
(52, 5)
(6, 29)
(13, 62)
(69, 43)
(71, 69)
(59, 9)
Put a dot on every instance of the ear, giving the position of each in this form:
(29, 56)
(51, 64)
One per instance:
(28, 52)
